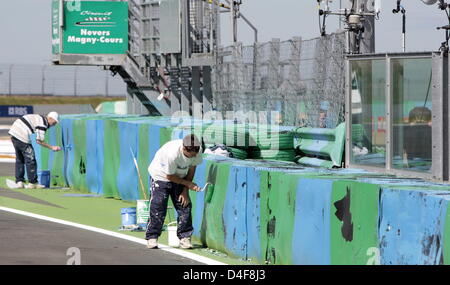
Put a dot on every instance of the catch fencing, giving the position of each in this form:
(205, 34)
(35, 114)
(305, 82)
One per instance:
(298, 78)
(28, 79)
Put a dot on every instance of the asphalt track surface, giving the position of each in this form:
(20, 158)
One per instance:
(5, 122)
(30, 241)
(7, 169)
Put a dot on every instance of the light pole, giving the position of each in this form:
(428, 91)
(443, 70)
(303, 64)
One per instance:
(10, 79)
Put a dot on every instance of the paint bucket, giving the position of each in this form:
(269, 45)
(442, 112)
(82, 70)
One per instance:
(173, 239)
(44, 178)
(143, 212)
(128, 216)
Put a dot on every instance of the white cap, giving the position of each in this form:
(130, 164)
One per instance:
(54, 116)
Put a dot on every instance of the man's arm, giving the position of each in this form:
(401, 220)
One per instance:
(44, 144)
(191, 173)
(184, 197)
(187, 181)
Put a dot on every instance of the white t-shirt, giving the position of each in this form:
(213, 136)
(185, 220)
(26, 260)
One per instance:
(170, 160)
(32, 123)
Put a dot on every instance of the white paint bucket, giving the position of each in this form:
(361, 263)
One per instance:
(173, 239)
(142, 212)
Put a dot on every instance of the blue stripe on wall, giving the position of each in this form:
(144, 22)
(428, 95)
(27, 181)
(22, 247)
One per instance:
(311, 235)
(154, 139)
(67, 127)
(200, 180)
(410, 228)
(234, 215)
(253, 214)
(100, 154)
(37, 152)
(127, 178)
(91, 156)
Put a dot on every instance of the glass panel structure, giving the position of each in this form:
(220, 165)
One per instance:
(412, 113)
(368, 112)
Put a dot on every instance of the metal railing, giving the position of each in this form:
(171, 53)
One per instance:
(26, 79)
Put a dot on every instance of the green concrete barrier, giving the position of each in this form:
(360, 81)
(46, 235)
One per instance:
(354, 221)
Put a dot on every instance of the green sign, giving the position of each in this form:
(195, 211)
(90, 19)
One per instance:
(95, 27)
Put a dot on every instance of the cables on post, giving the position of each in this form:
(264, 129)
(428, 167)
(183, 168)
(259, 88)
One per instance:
(401, 9)
(322, 18)
(445, 7)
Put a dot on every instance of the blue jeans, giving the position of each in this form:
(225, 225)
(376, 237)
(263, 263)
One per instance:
(160, 192)
(25, 158)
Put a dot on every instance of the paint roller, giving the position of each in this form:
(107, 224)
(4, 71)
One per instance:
(139, 174)
(210, 191)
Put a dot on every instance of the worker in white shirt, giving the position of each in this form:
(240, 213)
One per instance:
(20, 132)
(172, 171)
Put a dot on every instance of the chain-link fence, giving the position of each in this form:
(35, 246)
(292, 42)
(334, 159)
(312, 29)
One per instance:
(26, 79)
(303, 80)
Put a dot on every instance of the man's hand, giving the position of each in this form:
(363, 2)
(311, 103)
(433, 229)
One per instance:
(51, 147)
(184, 198)
(187, 183)
(56, 148)
(193, 186)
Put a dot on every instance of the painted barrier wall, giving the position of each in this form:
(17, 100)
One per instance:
(265, 211)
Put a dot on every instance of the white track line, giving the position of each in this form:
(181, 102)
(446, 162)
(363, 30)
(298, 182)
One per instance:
(179, 252)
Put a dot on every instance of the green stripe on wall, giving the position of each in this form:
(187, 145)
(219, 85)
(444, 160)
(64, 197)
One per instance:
(213, 231)
(111, 161)
(143, 158)
(165, 135)
(446, 238)
(354, 222)
(278, 193)
(45, 154)
(79, 167)
(57, 167)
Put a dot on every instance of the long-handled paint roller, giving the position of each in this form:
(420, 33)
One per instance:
(209, 193)
(139, 174)
(204, 187)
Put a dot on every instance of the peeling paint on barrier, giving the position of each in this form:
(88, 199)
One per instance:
(354, 221)
(411, 227)
(345, 216)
